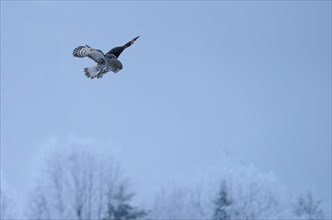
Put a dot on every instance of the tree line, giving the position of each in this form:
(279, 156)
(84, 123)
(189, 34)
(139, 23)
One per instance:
(78, 184)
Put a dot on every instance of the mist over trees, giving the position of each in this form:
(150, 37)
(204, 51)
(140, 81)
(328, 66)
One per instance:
(81, 183)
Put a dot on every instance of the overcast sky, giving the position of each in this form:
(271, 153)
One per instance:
(249, 78)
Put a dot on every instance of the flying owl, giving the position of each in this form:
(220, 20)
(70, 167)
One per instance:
(105, 62)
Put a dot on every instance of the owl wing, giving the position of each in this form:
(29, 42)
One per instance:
(94, 54)
(116, 51)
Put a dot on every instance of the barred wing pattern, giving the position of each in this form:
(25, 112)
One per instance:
(97, 56)
(94, 54)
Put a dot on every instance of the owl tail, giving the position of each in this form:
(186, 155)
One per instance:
(93, 72)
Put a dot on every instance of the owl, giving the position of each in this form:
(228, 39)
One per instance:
(105, 62)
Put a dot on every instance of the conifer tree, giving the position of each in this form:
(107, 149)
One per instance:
(222, 204)
(120, 208)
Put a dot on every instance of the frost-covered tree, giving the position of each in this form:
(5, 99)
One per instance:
(6, 206)
(76, 183)
(230, 190)
(308, 207)
(178, 203)
(9, 208)
(119, 208)
(222, 204)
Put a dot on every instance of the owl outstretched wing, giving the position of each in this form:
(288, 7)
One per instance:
(116, 51)
(94, 54)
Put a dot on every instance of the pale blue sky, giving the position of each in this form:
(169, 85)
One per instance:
(251, 78)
